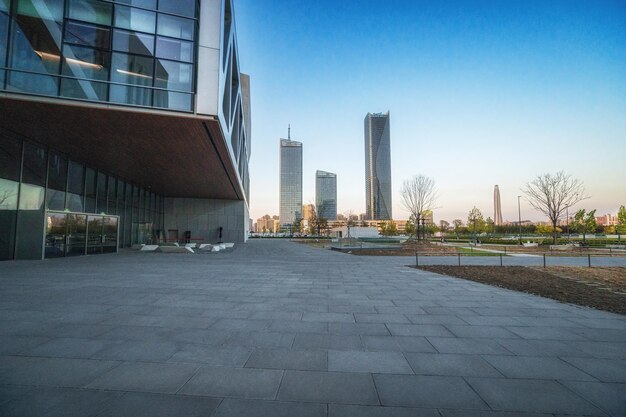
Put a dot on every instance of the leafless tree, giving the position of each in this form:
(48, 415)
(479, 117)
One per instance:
(418, 195)
(553, 194)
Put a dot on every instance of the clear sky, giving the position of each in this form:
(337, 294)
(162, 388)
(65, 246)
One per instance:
(480, 93)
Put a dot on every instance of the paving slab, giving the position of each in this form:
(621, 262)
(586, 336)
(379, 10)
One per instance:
(239, 383)
(303, 360)
(232, 407)
(371, 362)
(328, 387)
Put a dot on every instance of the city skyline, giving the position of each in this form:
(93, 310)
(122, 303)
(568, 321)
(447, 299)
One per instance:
(480, 93)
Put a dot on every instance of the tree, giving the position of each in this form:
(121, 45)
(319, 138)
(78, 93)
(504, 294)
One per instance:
(546, 229)
(458, 223)
(488, 226)
(475, 220)
(621, 222)
(409, 227)
(585, 222)
(388, 228)
(553, 194)
(444, 226)
(418, 195)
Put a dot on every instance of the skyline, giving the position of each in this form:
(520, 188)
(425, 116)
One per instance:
(482, 93)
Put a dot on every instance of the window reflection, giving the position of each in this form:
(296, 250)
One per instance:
(172, 100)
(182, 7)
(174, 49)
(130, 95)
(83, 89)
(8, 194)
(32, 83)
(176, 27)
(86, 62)
(134, 19)
(173, 75)
(88, 35)
(135, 43)
(132, 69)
(94, 11)
(31, 197)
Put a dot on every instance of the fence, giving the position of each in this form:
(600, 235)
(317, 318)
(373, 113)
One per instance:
(534, 260)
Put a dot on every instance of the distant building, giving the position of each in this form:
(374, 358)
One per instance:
(326, 195)
(308, 210)
(497, 208)
(377, 167)
(290, 182)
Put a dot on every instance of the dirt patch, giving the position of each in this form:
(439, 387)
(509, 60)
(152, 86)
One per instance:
(598, 287)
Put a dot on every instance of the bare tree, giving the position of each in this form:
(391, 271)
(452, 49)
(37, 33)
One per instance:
(418, 195)
(553, 194)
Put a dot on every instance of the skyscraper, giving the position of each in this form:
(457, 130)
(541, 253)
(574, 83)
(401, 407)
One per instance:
(326, 195)
(377, 167)
(290, 182)
(497, 209)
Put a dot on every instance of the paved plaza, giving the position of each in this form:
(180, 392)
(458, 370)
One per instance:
(276, 328)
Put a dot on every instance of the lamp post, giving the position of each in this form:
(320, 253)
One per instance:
(474, 231)
(567, 221)
(423, 229)
(519, 218)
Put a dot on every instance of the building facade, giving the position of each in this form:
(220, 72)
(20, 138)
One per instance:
(290, 182)
(377, 167)
(121, 123)
(326, 195)
(497, 207)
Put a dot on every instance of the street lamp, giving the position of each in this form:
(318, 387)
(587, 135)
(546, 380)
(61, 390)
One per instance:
(519, 214)
(474, 231)
(567, 221)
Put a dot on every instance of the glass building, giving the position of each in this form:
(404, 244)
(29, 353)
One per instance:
(290, 182)
(377, 167)
(326, 195)
(119, 122)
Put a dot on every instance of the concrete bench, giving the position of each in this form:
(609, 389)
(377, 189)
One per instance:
(175, 249)
(149, 248)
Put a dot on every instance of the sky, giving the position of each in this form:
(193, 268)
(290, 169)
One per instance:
(479, 93)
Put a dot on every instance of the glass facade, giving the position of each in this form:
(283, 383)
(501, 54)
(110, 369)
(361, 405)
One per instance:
(377, 167)
(51, 206)
(326, 195)
(290, 182)
(131, 52)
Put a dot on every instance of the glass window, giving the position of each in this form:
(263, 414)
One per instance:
(182, 7)
(94, 11)
(32, 83)
(132, 69)
(4, 5)
(134, 19)
(130, 95)
(147, 4)
(90, 190)
(88, 35)
(75, 186)
(34, 169)
(84, 89)
(173, 100)
(176, 27)
(135, 43)
(57, 177)
(174, 49)
(10, 159)
(4, 36)
(120, 190)
(83, 62)
(102, 193)
(173, 75)
(31, 197)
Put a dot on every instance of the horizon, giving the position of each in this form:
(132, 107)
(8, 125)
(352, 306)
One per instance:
(479, 93)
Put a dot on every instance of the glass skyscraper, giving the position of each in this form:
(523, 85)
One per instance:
(326, 195)
(290, 182)
(377, 167)
(120, 120)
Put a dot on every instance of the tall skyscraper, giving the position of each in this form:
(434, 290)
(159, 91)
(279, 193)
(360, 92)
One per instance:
(290, 182)
(326, 195)
(377, 167)
(497, 209)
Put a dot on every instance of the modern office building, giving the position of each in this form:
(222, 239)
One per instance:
(377, 167)
(326, 195)
(497, 208)
(290, 183)
(121, 122)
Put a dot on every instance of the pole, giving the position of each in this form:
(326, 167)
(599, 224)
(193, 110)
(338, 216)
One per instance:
(500, 259)
(474, 231)
(519, 215)
(417, 260)
(589, 260)
(459, 255)
(544, 260)
(567, 221)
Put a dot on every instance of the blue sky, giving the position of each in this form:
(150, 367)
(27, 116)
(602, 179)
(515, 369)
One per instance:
(480, 93)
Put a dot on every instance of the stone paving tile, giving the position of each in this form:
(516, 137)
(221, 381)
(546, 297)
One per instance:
(602, 350)
(603, 369)
(467, 346)
(546, 333)
(329, 317)
(240, 383)
(232, 407)
(350, 329)
(397, 343)
(241, 325)
(372, 362)
(339, 410)
(427, 391)
(328, 387)
(52, 372)
(232, 356)
(267, 339)
(381, 318)
(536, 368)
(302, 360)
(59, 402)
(298, 326)
(150, 351)
(530, 395)
(450, 365)
(608, 397)
(10, 345)
(70, 348)
(137, 404)
(165, 378)
(484, 413)
(435, 319)
(307, 341)
(419, 330)
(138, 333)
(481, 331)
(554, 348)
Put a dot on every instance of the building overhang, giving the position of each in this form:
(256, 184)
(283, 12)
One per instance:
(175, 155)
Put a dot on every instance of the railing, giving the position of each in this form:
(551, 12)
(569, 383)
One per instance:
(500, 256)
